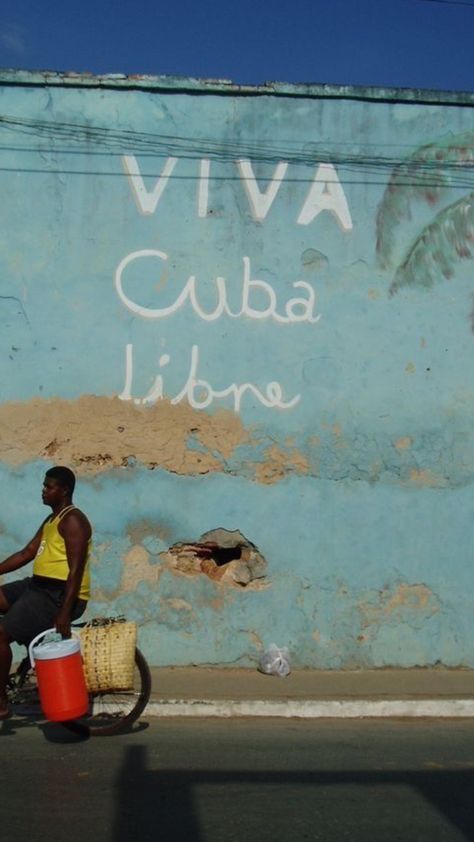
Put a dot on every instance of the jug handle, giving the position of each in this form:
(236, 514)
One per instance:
(35, 641)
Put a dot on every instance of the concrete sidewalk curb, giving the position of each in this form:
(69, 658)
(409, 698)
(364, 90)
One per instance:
(312, 709)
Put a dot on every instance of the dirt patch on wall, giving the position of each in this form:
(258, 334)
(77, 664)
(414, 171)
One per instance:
(427, 479)
(404, 443)
(137, 568)
(93, 434)
(278, 463)
(410, 602)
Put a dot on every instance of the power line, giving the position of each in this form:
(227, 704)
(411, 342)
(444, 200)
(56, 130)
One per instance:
(421, 183)
(461, 159)
(449, 2)
(426, 168)
(99, 140)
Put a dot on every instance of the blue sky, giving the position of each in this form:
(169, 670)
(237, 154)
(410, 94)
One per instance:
(396, 43)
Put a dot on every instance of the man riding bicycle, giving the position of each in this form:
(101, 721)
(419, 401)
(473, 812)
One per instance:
(57, 592)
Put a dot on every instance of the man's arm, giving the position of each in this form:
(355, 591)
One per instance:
(76, 531)
(22, 557)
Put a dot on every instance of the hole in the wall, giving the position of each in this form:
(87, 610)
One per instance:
(222, 555)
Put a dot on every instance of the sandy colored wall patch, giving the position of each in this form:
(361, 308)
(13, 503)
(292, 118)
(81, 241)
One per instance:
(93, 434)
(407, 602)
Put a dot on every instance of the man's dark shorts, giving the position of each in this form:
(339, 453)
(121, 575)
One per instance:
(33, 608)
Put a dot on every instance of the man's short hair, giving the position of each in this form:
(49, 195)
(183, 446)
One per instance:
(64, 476)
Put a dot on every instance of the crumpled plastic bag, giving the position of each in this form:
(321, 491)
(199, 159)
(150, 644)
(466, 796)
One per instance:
(275, 661)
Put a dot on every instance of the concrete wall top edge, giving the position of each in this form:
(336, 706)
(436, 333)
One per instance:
(181, 84)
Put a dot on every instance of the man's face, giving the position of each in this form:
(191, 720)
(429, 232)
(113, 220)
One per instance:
(53, 493)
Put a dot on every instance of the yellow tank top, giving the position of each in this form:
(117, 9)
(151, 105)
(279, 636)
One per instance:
(51, 558)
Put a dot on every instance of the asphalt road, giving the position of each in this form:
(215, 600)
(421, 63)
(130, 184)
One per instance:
(240, 780)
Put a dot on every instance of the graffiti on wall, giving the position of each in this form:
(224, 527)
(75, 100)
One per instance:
(428, 176)
(258, 298)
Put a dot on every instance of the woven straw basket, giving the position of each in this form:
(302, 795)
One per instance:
(108, 654)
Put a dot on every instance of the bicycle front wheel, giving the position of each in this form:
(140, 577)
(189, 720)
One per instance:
(115, 711)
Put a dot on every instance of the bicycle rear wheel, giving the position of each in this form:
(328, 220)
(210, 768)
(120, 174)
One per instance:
(115, 711)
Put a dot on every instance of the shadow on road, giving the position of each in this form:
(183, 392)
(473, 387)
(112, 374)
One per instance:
(54, 732)
(174, 803)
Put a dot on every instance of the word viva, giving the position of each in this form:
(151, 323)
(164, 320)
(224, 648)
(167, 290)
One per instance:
(325, 192)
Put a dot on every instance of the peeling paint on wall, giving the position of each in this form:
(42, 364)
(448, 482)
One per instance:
(279, 462)
(137, 568)
(427, 478)
(408, 602)
(96, 434)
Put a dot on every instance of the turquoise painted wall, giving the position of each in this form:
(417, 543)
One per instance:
(249, 310)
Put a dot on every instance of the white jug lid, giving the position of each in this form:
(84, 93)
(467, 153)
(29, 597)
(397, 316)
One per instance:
(56, 649)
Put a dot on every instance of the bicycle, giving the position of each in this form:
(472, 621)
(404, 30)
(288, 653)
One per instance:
(110, 711)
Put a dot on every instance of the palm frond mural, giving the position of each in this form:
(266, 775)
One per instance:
(449, 238)
(425, 176)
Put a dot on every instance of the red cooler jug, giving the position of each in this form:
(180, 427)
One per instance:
(61, 682)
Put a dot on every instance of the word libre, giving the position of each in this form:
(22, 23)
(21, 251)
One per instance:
(258, 299)
(198, 392)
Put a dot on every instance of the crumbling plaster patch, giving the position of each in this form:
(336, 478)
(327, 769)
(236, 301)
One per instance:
(427, 479)
(97, 434)
(405, 602)
(93, 434)
(137, 568)
(278, 463)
